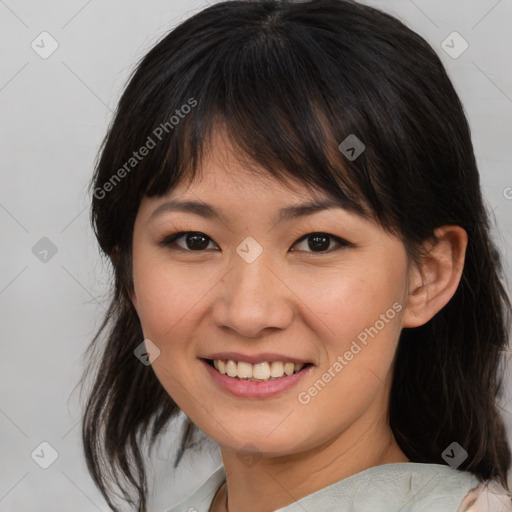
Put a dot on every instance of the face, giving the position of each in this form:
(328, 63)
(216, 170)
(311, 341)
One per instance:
(240, 287)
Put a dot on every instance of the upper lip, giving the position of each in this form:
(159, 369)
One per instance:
(256, 358)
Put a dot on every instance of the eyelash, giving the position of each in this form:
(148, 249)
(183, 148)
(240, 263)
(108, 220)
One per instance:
(170, 240)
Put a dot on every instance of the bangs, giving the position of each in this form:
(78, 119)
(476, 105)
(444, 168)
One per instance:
(286, 88)
(264, 93)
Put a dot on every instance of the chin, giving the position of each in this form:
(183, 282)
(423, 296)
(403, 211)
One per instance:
(260, 444)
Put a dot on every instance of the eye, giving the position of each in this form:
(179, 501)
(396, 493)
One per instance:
(199, 242)
(190, 241)
(320, 242)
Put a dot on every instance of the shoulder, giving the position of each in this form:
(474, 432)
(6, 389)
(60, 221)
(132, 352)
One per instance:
(408, 486)
(421, 487)
(487, 497)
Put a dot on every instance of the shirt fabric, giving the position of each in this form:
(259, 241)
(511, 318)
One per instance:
(397, 487)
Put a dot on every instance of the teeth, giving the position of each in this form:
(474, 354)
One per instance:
(288, 368)
(256, 372)
(276, 369)
(231, 368)
(245, 370)
(260, 371)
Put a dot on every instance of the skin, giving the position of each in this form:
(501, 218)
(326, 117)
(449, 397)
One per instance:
(290, 300)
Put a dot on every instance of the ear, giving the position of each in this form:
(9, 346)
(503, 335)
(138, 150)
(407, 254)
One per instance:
(433, 284)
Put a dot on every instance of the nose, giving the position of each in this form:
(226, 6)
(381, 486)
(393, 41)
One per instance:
(253, 298)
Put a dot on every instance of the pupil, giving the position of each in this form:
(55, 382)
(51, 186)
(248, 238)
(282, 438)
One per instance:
(320, 242)
(192, 239)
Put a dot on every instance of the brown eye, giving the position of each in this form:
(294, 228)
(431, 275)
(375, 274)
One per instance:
(196, 242)
(320, 242)
(189, 241)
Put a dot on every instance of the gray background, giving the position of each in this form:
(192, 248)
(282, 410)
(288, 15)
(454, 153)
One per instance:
(54, 114)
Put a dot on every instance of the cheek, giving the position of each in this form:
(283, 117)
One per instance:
(360, 325)
(349, 303)
(169, 296)
(363, 310)
(168, 305)
(361, 322)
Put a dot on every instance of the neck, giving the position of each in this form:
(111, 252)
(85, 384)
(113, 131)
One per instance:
(275, 482)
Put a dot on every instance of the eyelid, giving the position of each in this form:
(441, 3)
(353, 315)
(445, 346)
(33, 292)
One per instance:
(340, 241)
(171, 239)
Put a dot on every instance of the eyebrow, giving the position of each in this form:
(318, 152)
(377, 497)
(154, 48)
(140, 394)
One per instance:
(209, 212)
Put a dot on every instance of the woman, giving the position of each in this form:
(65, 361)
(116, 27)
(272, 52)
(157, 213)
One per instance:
(303, 265)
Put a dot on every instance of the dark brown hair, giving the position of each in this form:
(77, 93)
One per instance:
(288, 82)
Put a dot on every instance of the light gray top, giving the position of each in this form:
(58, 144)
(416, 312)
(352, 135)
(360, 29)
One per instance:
(397, 487)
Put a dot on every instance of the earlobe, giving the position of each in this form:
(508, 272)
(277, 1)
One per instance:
(433, 284)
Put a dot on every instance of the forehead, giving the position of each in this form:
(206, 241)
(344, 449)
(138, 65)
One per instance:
(227, 181)
(239, 196)
(225, 170)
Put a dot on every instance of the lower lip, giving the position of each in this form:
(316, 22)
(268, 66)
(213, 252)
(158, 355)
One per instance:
(250, 389)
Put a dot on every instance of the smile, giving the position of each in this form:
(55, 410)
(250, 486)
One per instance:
(258, 372)
(265, 376)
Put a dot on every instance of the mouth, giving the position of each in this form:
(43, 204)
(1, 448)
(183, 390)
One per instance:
(265, 371)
